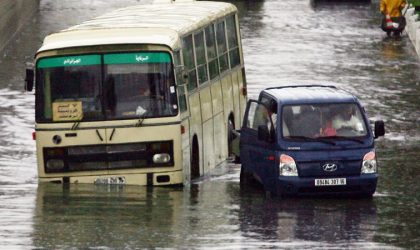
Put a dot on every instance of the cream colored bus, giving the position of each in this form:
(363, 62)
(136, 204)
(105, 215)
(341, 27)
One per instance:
(145, 95)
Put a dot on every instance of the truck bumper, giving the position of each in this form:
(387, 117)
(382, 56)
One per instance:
(363, 185)
(142, 179)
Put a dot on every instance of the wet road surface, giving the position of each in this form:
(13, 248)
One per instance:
(285, 42)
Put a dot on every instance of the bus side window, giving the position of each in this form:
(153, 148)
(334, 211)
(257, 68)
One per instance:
(221, 46)
(189, 61)
(233, 41)
(201, 57)
(211, 52)
(180, 82)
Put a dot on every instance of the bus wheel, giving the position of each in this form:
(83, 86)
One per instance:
(195, 160)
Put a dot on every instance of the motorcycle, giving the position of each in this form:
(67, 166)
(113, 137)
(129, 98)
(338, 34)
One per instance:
(393, 25)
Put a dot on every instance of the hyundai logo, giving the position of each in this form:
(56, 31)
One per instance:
(330, 167)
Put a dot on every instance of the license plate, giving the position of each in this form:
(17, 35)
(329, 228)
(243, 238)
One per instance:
(330, 182)
(110, 181)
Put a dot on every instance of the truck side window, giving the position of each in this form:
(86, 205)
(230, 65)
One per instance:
(271, 104)
(258, 115)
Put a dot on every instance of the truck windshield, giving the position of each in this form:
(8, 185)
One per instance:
(105, 87)
(323, 121)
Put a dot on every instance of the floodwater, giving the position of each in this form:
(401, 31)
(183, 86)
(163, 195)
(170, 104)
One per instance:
(285, 42)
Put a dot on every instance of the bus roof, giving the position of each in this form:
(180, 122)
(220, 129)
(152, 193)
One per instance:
(310, 94)
(160, 24)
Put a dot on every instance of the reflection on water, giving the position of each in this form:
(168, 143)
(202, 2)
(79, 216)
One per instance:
(13, 15)
(285, 42)
(337, 4)
(210, 213)
(399, 196)
(213, 212)
(310, 222)
(85, 216)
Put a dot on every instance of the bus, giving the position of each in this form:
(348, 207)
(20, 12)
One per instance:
(144, 95)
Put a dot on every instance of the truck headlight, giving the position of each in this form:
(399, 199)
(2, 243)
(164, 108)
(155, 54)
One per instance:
(369, 163)
(287, 166)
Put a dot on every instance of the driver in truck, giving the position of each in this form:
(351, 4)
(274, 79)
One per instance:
(346, 119)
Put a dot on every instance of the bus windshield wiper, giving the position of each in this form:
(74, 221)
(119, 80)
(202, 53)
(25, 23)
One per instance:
(345, 138)
(75, 125)
(141, 118)
(311, 139)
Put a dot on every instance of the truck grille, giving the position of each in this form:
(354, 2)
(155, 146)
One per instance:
(315, 168)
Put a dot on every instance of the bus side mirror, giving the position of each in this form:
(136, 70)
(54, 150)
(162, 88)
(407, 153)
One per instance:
(263, 133)
(183, 73)
(379, 129)
(29, 78)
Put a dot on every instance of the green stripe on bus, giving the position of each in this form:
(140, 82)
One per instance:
(137, 58)
(69, 61)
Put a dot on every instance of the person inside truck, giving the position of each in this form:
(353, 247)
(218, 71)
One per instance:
(308, 122)
(346, 119)
(328, 128)
(272, 111)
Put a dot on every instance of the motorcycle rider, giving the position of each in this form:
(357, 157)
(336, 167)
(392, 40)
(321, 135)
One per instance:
(391, 11)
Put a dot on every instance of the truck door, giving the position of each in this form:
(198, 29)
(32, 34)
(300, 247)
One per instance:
(257, 141)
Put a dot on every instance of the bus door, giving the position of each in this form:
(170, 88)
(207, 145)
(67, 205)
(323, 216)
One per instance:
(181, 82)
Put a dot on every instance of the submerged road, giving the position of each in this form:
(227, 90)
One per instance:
(285, 42)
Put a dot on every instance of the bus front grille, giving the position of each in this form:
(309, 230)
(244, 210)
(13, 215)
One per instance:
(108, 157)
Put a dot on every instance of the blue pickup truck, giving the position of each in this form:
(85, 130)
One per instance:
(312, 139)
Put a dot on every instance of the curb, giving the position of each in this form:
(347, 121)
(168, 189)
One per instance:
(413, 28)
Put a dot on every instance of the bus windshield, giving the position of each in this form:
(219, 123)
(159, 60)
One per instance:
(337, 121)
(105, 87)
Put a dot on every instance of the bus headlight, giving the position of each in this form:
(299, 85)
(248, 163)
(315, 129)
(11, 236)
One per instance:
(161, 158)
(55, 164)
(287, 166)
(369, 163)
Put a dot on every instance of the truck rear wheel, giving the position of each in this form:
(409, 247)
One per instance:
(245, 178)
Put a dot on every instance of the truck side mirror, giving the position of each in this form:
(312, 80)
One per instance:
(263, 133)
(379, 129)
(29, 78)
